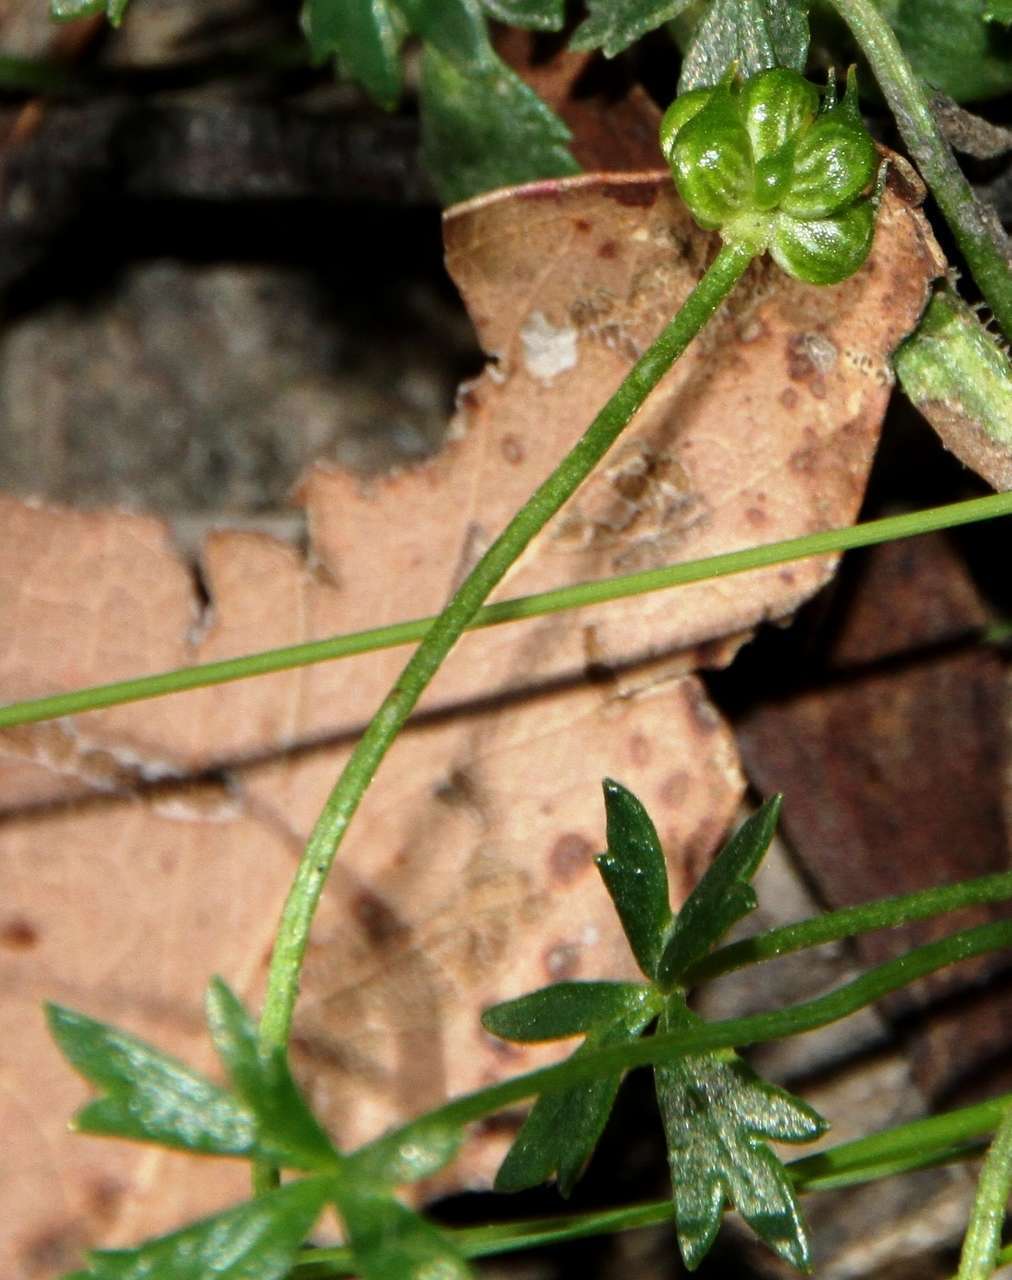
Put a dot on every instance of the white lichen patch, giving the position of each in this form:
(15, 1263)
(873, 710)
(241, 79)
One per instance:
(547, 350)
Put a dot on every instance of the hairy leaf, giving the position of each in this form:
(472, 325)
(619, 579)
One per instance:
(613, 25)
(67, 10)
(564, 1009)
(722, 896)
(757, 34)
(390, 1242)
(150, 1097)
(538, 15)
(716, 1113)
(485, 128)
(286, 1129)
(559, 1136)
(365, 36)
(635, 874)
(256, 1241)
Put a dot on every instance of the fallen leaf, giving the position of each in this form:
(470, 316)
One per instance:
(151, 844)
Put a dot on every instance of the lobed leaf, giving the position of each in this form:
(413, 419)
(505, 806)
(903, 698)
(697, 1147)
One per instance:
(722, 896)
(68, 10)
(559, 1136)
(636, 875)
(538, 15)
(150, 1096)
(482, 127)
(391, 1242)
(365, 36)
(287, 1131)
(613, 25)
(757, 34)
(716, 1113)
(256, 1241)
(564, 1009)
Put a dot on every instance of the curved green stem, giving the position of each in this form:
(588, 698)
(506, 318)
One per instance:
(983, 1234)
(297, 916)
(828, 541)
(908, 98)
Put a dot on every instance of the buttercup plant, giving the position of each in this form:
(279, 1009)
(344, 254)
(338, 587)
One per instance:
(773, 164)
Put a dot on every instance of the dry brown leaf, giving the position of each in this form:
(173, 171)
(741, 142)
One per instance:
(485, 816)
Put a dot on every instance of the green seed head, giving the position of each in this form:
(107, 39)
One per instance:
(759, 160)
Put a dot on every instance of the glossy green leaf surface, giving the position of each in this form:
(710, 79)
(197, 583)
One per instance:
(717, 1114)
(560, 1134)
(391, 1242)
(564, 1009)
(286, 1129)
(757, 34)
(636, 875)
(256, 1241)
(613, 25)
(67, 10)
(486, 129)
(833, 164)
(365, 35)
(722, 896)
(149, 1096)
(824, 250)
(538, 15)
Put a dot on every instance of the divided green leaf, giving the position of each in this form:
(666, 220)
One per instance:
(482, 127)
(757, 34)
(67, 10)
(613, 25)
(538, 15)
(636, 875)
(721, 897)
(716, 1113)
(390, 1242)
(150, 1097)
(365, 36)
(256, 1241)
(287, 1131)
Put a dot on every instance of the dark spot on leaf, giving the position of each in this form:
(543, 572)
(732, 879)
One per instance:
(53, 1250)
(639, 749)
(562, 961)
(581, 224)
(18, 934)
(104, 1197)
(458, 790)
(512, 450)
(787, 577)
(756, 517)
(789, 398)
(675, 787)
(803, 460)
(635, 195)
(379, 921)
(570, 857)
(607, 249)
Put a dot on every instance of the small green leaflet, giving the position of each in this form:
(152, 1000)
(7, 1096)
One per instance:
(757, 34)
(636, 876)
(365, 36)
(722, 897)
(287, 1131)
(256, 1241)
(613, 25)
(150, 1097)
(560, 1134)
(67, 10)
(390, 1242)
(538, 15)
(998, 11)
(716, 1113)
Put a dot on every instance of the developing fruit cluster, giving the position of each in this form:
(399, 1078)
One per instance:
(769, 163)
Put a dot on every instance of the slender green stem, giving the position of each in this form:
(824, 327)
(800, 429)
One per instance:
(908, 97)
(983, 1233)
(289, 948)
(886, 913)
(579, 595)
(734, 1033)
(911, 1146)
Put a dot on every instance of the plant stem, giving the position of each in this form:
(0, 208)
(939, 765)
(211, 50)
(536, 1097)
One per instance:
(885, 913)
(732, 1033)
(283, 978)
(983, 1234)
(908, 98)
(909, 1146)
(521, 608)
